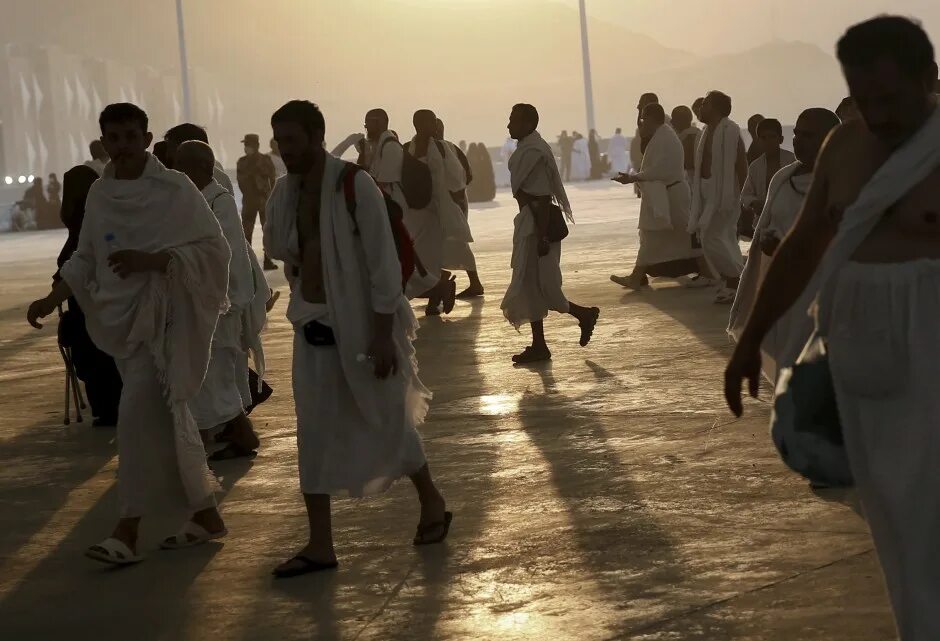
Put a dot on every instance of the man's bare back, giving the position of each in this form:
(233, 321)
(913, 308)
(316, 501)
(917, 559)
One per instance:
(911, 229)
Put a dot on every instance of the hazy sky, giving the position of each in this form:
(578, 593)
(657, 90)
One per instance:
(470, 60)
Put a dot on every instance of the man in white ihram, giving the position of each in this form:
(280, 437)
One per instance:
(219, 403)
(357, 393)
(868, 241)
(665, 244)
(617, 153)
(441, 223)
(151, 274)
(786, 193)
(720, 172)
(536, 285)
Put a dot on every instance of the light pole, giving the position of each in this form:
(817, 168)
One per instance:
(586, 60)
(184, 65)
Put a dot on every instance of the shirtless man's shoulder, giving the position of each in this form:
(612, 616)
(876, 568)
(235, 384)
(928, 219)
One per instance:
(848, 159)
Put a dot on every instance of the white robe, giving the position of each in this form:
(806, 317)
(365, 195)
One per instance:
(280, 169)
(218, 173)
(456, 253)
(157, 326)
(536, 285)
(664, 210)
(385, 167)
(781, 209)
(880, 322)
(220, 398)
(442, 219)
(617, 153)
(716, 201)
(757, 184)
(580, 160)
(356, 434)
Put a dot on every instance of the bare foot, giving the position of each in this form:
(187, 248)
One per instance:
(210, 520)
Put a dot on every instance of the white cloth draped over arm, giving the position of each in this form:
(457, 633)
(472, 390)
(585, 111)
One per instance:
(387, 160)
(663, 165)
(378, 244)
(752, 193)
(532, 154)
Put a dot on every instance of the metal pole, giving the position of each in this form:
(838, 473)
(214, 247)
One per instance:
(586, 59)
(184, 65)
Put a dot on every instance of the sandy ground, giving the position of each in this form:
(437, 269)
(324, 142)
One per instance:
(607, 496)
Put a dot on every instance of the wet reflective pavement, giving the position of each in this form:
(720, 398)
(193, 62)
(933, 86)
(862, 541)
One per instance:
(607, 495)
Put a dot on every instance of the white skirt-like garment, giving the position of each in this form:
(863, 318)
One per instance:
(150, 476)
(220, 398)
(536, 285)
(426, 231)
(457, 256)
(663, 246)
(884, 352)
(339, 453)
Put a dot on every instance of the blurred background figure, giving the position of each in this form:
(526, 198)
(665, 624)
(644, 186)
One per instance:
(93, 367)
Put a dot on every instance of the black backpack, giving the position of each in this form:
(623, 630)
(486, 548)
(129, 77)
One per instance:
(416, 179)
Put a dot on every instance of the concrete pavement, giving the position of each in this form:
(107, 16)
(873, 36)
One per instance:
(607, 496)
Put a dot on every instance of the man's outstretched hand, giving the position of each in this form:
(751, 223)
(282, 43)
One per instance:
(745, 364)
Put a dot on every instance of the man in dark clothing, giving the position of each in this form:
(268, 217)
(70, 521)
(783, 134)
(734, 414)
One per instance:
(566, 146)
(95, 368)
(256, 176)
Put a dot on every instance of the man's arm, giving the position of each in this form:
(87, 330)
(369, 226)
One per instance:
(793, 266)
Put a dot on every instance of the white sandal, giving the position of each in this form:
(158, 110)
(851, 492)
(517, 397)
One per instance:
(113, 551)
(191, 535)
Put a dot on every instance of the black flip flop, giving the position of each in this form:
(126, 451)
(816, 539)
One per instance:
(588, 330)
(231, 452)
(423, 531)
(307, 566)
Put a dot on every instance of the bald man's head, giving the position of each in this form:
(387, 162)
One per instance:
(439, 129)
(811, 130)
(195, 159)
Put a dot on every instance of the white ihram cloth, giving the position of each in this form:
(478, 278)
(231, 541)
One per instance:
(456, 252)
(664, 210)
(636, 151)
(781, 209)
(617, 153)
(535, 288)
(218, 173)
(385, 168)
(757, 185)
(580, 160)
(884, 353)
(220, 398)
(280, 169)
(716, 201)
(355, 434)
(158, 327)
(442, 219)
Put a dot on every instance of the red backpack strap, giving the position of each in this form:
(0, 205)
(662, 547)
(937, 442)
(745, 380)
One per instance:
(347, 183)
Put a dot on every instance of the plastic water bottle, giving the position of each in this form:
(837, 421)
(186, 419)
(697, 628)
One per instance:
(111, 240)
